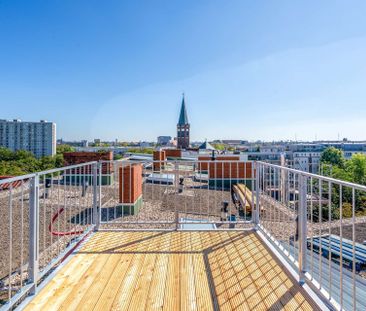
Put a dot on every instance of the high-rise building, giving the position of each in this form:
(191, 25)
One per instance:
(36, 137)
(183, 127)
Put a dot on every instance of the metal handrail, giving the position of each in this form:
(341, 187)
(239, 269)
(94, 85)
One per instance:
(285, 192)
(50, 171)
(324, 178)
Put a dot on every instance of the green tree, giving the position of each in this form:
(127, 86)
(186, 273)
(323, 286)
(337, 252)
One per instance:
(61, 149)
(9, 168)
(141, 150)
(24, 162)
(59, 160)
(333, 156)
(6, 154)
(356, 168)
(341, 173)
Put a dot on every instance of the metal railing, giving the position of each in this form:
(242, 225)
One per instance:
(314, 221)
(47, 214)
(305, 216)
(174, 195)
(43, 217)
(314, 167)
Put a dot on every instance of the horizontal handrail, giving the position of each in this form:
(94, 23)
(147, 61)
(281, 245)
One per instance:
(70, 167)
(16, 178)
(323, 178)
(51, 171)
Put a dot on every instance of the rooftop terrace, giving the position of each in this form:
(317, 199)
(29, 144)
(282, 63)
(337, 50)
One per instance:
(204, 235)
(173, 271)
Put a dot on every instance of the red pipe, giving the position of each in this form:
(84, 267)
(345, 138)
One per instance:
(54, 217)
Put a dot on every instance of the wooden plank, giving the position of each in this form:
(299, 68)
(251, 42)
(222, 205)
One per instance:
(172, 293)
(248, 194)
(142, 287)
(249, 288)
(109, 292)
(42, 298)
(228, 273)
(84, 283)
(102, 242)
(235, 266)
(222, 294)
(127, 288)
(58, 292)
(242, 199)
(172, 271)
(155, 300)
(186, 274)
(219, 272)
(93, 293)
(97, 291)
(202, 286)
(243, 278)
(267, 294)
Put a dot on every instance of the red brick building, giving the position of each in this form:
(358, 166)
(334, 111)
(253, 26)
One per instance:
(73, 158)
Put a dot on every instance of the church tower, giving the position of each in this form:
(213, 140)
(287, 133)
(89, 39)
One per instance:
(183, 127)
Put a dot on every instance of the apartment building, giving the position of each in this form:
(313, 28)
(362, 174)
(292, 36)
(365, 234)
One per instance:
(36, 137)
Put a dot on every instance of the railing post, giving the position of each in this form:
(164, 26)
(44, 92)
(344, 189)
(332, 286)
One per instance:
(33, 232)
(99, 183)
(302, 227)
(95, 197)
(176, 181)
(257, 194)
(283, 182)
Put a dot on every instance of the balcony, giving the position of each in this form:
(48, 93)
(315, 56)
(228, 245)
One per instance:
(212, 234)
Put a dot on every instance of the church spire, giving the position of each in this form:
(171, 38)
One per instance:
(183, 118)
(183, 127)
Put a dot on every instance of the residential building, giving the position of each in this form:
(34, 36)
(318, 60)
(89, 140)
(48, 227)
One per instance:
(36, 137)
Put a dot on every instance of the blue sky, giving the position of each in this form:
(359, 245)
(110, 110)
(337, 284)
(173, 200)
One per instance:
(250, 69)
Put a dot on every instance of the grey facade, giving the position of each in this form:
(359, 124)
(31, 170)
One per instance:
(36, 137)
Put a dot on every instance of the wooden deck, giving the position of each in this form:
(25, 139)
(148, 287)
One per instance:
(172, 271)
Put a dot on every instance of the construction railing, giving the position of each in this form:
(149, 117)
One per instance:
(317, 224)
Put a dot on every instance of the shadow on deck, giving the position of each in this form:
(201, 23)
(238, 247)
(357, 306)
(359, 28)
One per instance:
(173, 270)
